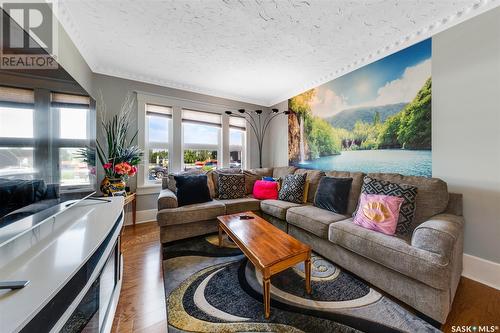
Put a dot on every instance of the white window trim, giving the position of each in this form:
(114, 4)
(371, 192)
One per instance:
(176, 147)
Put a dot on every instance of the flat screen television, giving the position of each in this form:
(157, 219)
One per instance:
(47, 151)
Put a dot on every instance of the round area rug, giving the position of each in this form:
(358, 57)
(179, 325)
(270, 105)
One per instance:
(212, 289)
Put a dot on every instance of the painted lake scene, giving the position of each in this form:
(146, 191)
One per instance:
(374, 119)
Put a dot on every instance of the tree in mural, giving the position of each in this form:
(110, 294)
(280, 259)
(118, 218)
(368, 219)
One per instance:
(410, 128)
(415, 128)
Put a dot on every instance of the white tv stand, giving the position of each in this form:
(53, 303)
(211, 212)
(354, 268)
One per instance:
(74, 265)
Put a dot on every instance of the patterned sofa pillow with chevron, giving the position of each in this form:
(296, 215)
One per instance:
(292, 188)
(405, 191)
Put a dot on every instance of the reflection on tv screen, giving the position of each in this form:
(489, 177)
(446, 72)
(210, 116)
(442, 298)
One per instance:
(47, 150)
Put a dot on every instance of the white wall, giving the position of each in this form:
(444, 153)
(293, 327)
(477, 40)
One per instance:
(466, 125)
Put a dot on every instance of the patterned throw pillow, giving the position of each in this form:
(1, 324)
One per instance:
(378, 212)
(407, 192)
(292, 188)
(231, 186)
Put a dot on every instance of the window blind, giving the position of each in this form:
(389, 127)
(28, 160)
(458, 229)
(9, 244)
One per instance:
(158, 110)
(202, 118)
(69, 100)
(17, 96)
(238, 123)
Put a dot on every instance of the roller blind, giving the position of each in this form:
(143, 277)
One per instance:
(202, 118)
(17, 96)
(237, 123)
(158, 110)
(69, 100)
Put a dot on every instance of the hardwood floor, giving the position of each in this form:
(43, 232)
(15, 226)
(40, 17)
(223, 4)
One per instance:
(141, 307)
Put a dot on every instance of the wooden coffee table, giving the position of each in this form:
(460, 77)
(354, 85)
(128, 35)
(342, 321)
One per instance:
(268, 248)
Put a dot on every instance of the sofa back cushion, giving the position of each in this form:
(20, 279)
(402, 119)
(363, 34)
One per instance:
(169, 181)
(292, 188)
(405, 191)
(432, 198)
(231, 186)
(357, 183)
(333, 194)
(264, 190)
(281, 172)
(312, 179)
(215, 177)
(252, 175)
(192, 189)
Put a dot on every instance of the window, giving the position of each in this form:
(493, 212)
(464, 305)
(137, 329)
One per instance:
(71, 116)
(16, 132)
(237, 139)
(201, 139)
(158, 124)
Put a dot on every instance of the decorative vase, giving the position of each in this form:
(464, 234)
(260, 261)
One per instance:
(111, 187)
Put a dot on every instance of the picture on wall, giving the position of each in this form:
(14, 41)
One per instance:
(374, 119)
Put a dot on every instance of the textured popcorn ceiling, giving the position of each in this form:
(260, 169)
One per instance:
(251, 50)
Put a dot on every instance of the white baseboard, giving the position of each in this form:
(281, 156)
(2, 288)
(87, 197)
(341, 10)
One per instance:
(482, 270)
(143, 216)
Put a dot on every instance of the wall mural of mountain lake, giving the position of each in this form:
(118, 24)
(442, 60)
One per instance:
(374, 119)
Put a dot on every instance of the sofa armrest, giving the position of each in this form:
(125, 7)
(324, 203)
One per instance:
(439, 234)
(167, 199)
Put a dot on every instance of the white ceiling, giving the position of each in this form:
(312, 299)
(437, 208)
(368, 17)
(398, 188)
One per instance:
(256, 51)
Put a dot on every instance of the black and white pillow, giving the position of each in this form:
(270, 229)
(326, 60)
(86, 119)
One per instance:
(292, 188)
(231, 186)
(405, 191)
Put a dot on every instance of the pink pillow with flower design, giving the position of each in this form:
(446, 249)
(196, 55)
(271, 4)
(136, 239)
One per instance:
(378, 212)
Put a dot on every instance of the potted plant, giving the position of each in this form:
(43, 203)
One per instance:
(120, 157)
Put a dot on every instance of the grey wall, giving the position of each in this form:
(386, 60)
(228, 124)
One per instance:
(72, 61)
(465, 126)
(114, 91)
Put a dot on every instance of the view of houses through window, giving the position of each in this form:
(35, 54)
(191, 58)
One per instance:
(201, 141)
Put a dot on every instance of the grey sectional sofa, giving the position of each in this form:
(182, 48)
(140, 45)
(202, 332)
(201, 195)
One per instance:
(422, 270)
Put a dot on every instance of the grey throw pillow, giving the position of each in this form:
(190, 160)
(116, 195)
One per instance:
(405, 191)
(231, 186)
(292, 188)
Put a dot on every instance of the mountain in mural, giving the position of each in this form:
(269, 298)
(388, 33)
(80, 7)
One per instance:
(347, 118)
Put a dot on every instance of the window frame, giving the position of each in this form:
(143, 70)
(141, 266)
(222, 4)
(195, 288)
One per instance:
(200, 146)
(176, 145)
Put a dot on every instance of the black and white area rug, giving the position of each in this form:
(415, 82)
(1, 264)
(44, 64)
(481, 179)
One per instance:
(212, 289)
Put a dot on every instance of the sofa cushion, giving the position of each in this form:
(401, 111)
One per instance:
(170, 179)
(281, 172)
(407, 192)
(333, 194)
(357, 183)
(313, 177)
(192, 189)
(392, 252)
(293, 188)
(215, 177)
(277, 208)
(191, 213)
(313, 219)
(252, 175)
(432, 198)
(231, 186)
(234, 206)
